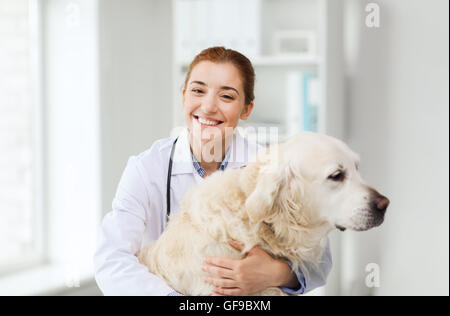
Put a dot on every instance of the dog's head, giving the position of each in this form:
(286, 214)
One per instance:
(314, 178)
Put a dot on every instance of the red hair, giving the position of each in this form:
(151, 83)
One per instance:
(224, 55)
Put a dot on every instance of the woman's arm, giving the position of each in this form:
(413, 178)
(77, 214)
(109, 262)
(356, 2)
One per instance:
(117, 270)
(318, 277)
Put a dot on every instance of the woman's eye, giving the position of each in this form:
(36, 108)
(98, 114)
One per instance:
(338, 176)
(229, 97)
(197, 91)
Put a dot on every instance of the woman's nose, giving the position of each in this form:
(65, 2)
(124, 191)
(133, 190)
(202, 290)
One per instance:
(209, 105)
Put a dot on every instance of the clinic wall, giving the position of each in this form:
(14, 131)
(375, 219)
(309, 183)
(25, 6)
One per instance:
(397, 98)
(135, 82)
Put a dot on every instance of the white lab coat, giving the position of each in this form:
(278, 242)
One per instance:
(139, 214)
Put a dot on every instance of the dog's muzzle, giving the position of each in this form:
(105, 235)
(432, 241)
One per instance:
(371, 216)
(378, 207)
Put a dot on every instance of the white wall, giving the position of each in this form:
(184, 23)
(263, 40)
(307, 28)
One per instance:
(135, 82)
(398, 121)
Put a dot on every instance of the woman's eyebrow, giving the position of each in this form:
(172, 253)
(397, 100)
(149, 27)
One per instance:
(229, 88)
(198, 82)
(222, 88)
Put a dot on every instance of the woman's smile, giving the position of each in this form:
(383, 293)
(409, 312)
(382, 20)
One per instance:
(207, 121)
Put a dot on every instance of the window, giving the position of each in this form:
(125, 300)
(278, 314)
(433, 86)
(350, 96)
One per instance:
(20, 147)
(49, 145)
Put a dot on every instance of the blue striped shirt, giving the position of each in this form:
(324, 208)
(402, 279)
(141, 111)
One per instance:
(202, 171)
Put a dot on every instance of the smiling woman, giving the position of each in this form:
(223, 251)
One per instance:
(218, 92)
(213, 107)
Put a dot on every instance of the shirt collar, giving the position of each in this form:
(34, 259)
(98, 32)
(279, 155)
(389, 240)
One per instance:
(202, 171)
(238, 154)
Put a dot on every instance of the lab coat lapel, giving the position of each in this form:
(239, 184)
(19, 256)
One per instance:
(241, 153)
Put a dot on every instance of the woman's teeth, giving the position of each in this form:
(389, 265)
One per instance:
(207, 122)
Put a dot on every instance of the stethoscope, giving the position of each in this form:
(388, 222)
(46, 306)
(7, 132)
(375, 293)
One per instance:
(169, 177)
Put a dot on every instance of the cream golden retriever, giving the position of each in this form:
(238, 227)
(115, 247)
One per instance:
(286, 202)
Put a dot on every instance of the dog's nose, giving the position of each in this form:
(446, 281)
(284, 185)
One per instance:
(382, 203)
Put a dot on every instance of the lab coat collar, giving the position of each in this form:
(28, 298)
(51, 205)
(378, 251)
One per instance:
(182, 160)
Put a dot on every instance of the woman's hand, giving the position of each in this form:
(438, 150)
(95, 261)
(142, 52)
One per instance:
(257, 271)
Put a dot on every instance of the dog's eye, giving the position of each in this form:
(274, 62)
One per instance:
(337, 176)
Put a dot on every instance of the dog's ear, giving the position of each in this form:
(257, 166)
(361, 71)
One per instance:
(272, 177)
(260, 202)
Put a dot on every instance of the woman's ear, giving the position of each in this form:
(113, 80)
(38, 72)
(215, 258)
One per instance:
(246, 111)
(183, 97)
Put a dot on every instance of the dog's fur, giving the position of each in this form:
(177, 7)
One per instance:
(286, 202)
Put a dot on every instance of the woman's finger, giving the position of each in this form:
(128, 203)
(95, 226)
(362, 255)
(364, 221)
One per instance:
(228, 292)
(222, 262)
(229, 283)
(219, 271)
(237, 245)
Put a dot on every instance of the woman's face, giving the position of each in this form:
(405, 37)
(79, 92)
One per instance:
(214, 100)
